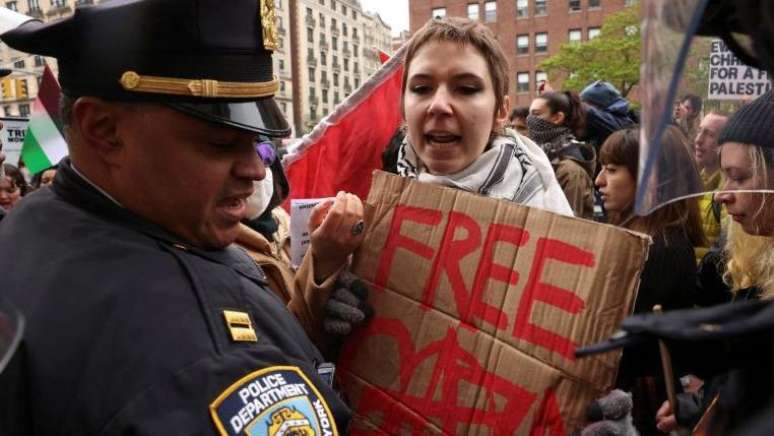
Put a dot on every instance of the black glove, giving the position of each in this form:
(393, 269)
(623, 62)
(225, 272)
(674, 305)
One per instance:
(347, 307)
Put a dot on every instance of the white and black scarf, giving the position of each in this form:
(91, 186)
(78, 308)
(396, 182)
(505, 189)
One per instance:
(512, 168)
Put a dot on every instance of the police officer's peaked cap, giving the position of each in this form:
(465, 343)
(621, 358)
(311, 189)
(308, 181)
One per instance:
(208, 58)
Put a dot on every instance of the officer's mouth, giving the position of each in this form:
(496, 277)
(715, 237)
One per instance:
(233, 208)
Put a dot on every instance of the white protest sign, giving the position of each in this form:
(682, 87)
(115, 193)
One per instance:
(300, 214)
(731, 79)
(12, 135)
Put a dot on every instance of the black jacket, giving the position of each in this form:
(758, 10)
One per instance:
(125, 325)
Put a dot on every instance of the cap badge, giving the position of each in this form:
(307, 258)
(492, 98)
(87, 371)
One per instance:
(269, 25)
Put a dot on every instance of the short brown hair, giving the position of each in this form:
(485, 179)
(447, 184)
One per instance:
(463, 31)
(623, 148)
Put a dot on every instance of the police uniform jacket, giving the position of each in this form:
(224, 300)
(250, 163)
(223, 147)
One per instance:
(125, 325)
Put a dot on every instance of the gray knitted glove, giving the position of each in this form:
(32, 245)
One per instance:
(347, 307)
(610, 415)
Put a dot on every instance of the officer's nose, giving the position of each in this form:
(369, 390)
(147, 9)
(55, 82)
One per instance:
(249, 164)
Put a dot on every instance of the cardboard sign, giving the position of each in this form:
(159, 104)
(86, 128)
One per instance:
(12, 136)
(731, 79)
(479, 305)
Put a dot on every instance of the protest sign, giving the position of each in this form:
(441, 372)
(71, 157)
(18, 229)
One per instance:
(730, 78)
(479, 305)
(12, 136)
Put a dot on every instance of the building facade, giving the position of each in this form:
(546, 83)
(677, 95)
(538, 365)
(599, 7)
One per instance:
(20, 88)
(529, 31)
(336, 49)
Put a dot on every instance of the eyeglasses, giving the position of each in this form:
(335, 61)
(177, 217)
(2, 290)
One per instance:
(266, 151)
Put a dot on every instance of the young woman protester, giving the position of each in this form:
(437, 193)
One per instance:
(554, 121)
(455, 103)
(669, 275)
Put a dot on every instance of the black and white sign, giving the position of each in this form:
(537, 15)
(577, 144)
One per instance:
(731, 79)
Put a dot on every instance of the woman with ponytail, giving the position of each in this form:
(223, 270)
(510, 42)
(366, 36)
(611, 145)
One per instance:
(556, 119)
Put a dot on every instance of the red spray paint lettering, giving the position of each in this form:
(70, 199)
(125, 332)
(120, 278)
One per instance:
(470, 305)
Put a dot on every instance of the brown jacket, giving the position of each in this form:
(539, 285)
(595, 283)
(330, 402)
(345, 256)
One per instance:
(302, 295)
(575, 176)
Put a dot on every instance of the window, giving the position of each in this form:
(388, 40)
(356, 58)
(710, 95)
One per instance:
(346, 64)
(345, 45)
(7, 110)
(309, 34)
(282, 86)
(540, 7)
(522, 8)
(355, 51)
(355, 67)
(19, 64)
(335, 43)
(575, 5)
(540, 77)
(354, 32)
(336, 98)
(281, 65)
(541, 42)
(593, 32)
(357, 82)
(343, 9)
(333, 5)
(322, 2)
(58, 3)
(438, 13)
(522, 82)
(309, 53)
(335, 61)
(323, 58)
(334, 23)
(325, 96)
(312, 76)
(309, 12)
(595, 4)
(335, 79)
(490, 11)
(344, 29)
(33, 5)
(12, 6)
(473, 11)
(24, 110)
(354, 14)
(522, 44)
(575, 35)
(322, 20)
(39, 62)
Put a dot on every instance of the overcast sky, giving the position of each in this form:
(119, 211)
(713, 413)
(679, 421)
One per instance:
(393, 12)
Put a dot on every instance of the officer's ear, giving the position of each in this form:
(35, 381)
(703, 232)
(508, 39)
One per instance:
(95, 121)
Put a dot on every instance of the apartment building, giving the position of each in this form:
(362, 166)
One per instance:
(19, 89)
(337, 49)
(528, 30)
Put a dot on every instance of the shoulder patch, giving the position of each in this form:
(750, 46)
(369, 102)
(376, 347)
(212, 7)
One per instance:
(276, 401)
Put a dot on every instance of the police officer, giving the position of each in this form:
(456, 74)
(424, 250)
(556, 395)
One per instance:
(142, 318)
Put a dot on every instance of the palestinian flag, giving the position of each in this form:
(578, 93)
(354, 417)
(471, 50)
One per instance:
(44, 144)
(344, 149)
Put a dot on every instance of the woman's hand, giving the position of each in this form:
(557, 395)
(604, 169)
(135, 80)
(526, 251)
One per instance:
(337, 229)
(665, 419)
